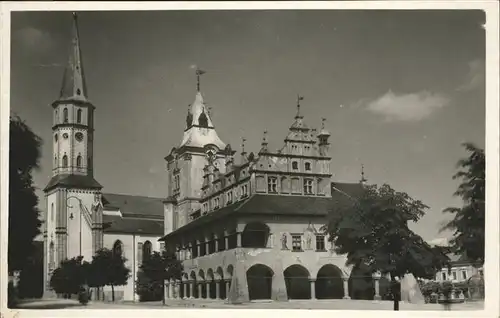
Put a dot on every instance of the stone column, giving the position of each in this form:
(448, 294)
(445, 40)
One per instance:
(207, 247)
(170, 289)
(346, 288)
(313, 288)
(185, 285)
(238, 239)
(191, 289)
(198, 246)
(227, 281)
(377, 289)
(217, 289)
(178, 290)
(216, 245)
(200, 290)
(207, 287)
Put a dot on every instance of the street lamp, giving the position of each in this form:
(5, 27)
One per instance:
(72, 217)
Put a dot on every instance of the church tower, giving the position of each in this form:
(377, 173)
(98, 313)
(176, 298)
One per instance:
(73, 218)
(186, 164)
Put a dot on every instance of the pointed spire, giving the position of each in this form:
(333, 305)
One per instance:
(74, 86)
(299, 98)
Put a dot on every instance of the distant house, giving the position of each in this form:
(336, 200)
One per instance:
(461, 269)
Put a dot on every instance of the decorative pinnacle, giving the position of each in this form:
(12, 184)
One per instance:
(299, 98)
(363, 180)
(243, 140)
(264, 138)
(198, 74)
(323, 121)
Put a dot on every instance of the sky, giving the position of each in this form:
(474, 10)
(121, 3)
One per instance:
(401, 90)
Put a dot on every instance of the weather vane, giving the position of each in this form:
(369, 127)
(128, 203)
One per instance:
(198, 74)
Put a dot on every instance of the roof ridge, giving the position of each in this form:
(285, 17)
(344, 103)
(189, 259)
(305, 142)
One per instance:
(133, 195)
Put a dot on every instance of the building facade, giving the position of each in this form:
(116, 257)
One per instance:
(79, 219)
(250, 227)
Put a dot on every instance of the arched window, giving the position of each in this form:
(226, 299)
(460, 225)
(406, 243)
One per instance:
(308, 166)
(203, 120)
(146, 250)
(51, 257)
(79, 116)
(79, 161)
(65, 113)
(52, 212)
(118, 248)
(65, 161)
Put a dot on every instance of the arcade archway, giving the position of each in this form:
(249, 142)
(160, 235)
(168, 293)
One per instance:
(297, 282)
(260, 280)
(329, 283)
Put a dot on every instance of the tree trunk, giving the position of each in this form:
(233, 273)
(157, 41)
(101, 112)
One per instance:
(112, 293)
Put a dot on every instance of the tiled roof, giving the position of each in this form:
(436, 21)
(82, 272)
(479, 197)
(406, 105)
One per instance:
(279, 205)
(74, 181)
(124, 225)
(134, 205)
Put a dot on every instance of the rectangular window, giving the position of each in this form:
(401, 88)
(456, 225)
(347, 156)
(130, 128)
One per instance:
(464, 275)
(162, 246)
(454, 275)
(296, 243)
(308, 185)
(272, 184)
(320, 243)
(443, 276)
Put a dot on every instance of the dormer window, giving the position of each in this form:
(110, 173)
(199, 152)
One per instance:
(272, 184)
(308, 166)
(295, 165)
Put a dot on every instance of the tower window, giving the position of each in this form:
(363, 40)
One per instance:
(78, 92)
(79, 161)
(308, 185)
(79, 116)
(272, 184)
(65, 114)
(203, 120)
(308, 166)
(56, 137)
(65, 161)
(295, 165)
(52, 212)
(55, 117)
(146, 250)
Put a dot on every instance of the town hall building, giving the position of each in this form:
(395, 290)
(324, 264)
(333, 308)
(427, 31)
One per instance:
(245, 226)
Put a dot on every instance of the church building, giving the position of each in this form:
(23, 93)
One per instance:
(79, 218)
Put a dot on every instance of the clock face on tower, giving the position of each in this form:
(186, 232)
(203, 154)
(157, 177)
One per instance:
(79, 136)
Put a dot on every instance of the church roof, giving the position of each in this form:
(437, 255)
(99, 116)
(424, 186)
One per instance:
(127, 225)
(73, 85)
(74, 181)
(280, 205)
(133, 205)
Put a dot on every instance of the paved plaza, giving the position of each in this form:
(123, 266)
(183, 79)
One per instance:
(292, 304)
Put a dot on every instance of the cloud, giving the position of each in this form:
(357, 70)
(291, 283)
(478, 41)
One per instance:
(34, 39)
(475, 77)
(407, 107)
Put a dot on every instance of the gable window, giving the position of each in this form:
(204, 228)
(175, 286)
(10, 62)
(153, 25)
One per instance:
(244, 190)
(320, 243)
(272, 184)
(79, 116)
(65, 115)
(295, 165)
(308, 185)
(296, 243)
(308, 166)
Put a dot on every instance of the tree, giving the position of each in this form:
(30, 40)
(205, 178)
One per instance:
(468, 223)
(108, 269)
(153, 271)
(24, 224)
(69, 276)
(373, 231)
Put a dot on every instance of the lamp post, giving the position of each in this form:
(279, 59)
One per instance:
(80, 222)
